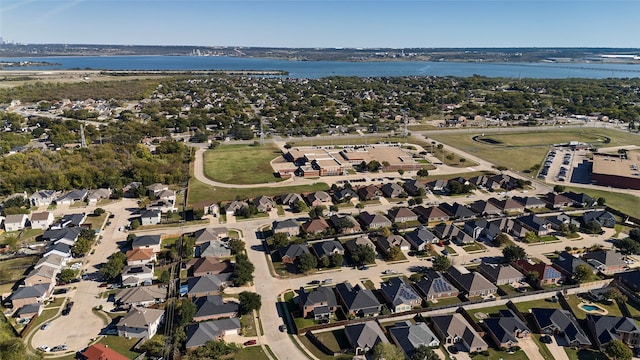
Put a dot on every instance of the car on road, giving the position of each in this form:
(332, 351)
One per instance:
(476, 260)
(67, 309)
(250, 342)
(282, 328)
(59, 348)
(327, 281)
(364, 267)
(389, 271)
(314, 282)
(445, 252)
(44, 348)
(45, 325)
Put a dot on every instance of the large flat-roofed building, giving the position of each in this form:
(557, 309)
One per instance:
(396, 157)
(616, 170)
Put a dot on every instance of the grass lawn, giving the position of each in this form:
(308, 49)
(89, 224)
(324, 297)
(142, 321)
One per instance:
(368, 284)
(474, 247)
(248, 326)
(302, 323)
(317, 353)
(96, 221)
(450, 250)
(250, 353)
(445, 301)
(493, 310)
(120, 345)
(508, 289)
(544, 350)
(624, 202)
(524, 307)
(334, 340)
(497, 355)
(587, 354)
(539, 239)
(223, 164)
(574, 301)
(14, 269)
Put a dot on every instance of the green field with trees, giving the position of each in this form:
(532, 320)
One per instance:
(241, 164)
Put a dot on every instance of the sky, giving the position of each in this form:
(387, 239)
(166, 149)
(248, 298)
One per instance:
(324, 23)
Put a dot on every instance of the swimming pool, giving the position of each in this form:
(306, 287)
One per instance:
(593, 309)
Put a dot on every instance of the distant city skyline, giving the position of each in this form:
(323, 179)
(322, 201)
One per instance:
(324, 23)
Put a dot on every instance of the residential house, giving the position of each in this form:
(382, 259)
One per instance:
(140, 256)
(154, 189)
(431, 214)
(320, 302)
(506, 329)
(479, 181)
(42, 198)
(462, 239)
(134, 275)
(213, 330)
(344, 195)
(482, 229)
(400, 295)
(630, 279)
(546, 274)
(567, 263)
(560, 220)
(28, 312)
(147, 242)
(290, 199)
(24, 295)
(472, 283)
(100, 351)
(59, 248)
(485, 208)
(500, 274)
(208, 265)
(357, 301)
(556, 201)
(414, 187)
(41, 275)
(363, 337)
(72, 196)
(69, 221)
(507, 205)
(290, 253)
(457, 211)
(408, 337)
(15, 222)
(140, 296)
(373, 221)
(535, 224)
(402, 215)
(168, 197)
(392, 190)
(212, 307)
(131, 189)
(434, 287)
(352, 244)
(53, 260)
(233, 206)
(580, 199)
(97, 195)
(264, 203)
(327, 248)
(42, 220)
(530, 202)
(214, 248)
(604, 329)
(438, 186)
(607, 262)
(446, 231)
(289, 227)
(603, 218)
(562, 324)
(319, 198)
(150, 217)
(420, 238)
(140, 323)
(453, 330)
(386, 243)
(369, 192)
(345, 224)
(210, 234)
(206, 285)
(315, 226)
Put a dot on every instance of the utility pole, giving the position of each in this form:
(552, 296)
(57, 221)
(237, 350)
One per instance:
(83, 141)
(261, 131)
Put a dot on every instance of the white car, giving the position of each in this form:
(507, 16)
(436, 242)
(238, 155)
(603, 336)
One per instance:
(44, 348)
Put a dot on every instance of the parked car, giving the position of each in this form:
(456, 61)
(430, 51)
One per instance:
(546, 339)
(364, 267)
(282, 328)
(44, 348)
(59, 348)
(314, 282)
(445, 252)
(45, 325)
(389, 271)
(250, 342)
(327, 281)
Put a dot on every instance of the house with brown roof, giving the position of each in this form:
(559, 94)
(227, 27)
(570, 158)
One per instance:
(453, 330)
(373, 221)
(264, 203)
(315, 226)
(140, 296)
(42, 220)
(99, 351)
(431, 214)
(319, 198)
(369, 192)
(208, 265)
(345, 224)
(557, 201)
(546, 274)
(507, 205)
(472, 283)
(41, 275)
(140, 256)
(320, 301)
(484, 207)
(402, 215)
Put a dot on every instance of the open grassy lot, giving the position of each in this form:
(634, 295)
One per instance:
(520, 151)
(13, 270)
(96, 221)
(524, 307)
(626, 203)
(241, 164)
(201, 192)
(350, 140)
(250, 353)
(584, 354)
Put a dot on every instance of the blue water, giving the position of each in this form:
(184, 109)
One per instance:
(590, 307)
(318, 69)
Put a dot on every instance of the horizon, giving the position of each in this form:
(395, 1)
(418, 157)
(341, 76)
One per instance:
(325, 24)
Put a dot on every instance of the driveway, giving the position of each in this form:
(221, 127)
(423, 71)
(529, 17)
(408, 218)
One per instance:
(556, 350)
(530, 348)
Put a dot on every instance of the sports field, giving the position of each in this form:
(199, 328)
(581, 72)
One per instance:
(241, 164)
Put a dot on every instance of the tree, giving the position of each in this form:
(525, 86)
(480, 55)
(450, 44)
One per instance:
(423, 173)
(617, 350)
(215, 349)
(165, 276)
(187, 311)
(316, 212)
(373, 165)
(98, 211)
(135, 224)
(80, 248)
(558, 188)
(249, 301)
(592, 227)
(514, 253)
(601, 201)
(335, 260)
(242, 270)
(343, 223)
(188, 246)
(306, 262)
(387, 351)
(113, 267)
(395, 253)
(583, 273)
(66, 275)
(363, 254)
(324, 261)
(236, 246)
(154, 346)
(424, 353)
(299, 206)
(616, 295)
(384, 232)
(441, 263)
(627, 246)
(501, 239)
(533, 276)
(280, 240)
(634, 234)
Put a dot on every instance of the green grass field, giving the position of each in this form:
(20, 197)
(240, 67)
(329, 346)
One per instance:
(14, 270)
(250, 353)
(241, 164)
(624, 202)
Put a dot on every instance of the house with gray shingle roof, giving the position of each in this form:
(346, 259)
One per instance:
(290, 253)
(15, 222)
(214, 248)
(352, 245)
(567, 263)
(72, 196)
(290, 199)
(41, 275)
(400, 295)
(431, 214)
(147, 242)
(264, 203)
(212, 307)
(402, 215)
(373, 221)
(453, 330)
(363, 337)
(320, 301)
(289, 227)
(210, 234)
(472, 283)
(500, 274)
(409, 337)
(29, 295)
(214, 330)
(506, 329)
(560, 323)
(607, 328)
(386, 243)
(140, 323)
(457, 211)
(70, 221)
(434, 286)
(207, 284)
(606, 261)
(319, 198)
(345, 224)
(484, 207)
(141, 296)
(357, 301)
(327, 248)
(603, 218)
(150, 217)
(536, 224)
(413, 187)
(420, 238)
(530, 202)
(392, 190)
(42, 198)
